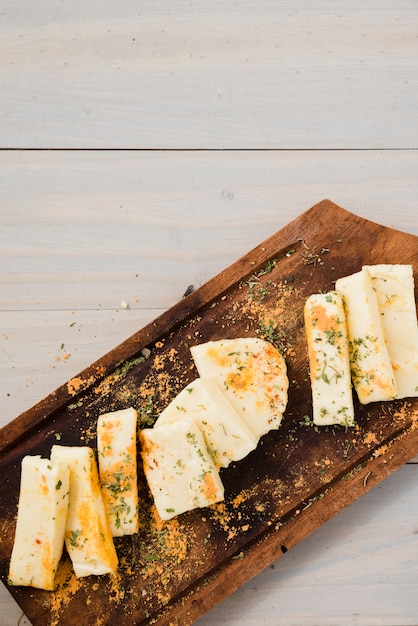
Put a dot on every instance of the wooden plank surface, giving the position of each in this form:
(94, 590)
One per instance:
(370, 537)
(114, 220)
(320, 582)
(290, 77)
(324, 222)
(239, 74)
(81, 232)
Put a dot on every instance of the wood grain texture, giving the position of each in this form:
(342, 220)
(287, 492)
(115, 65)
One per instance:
(86, 230)
(370, 561)
(314, 583)
(82, 231)
(294, 496)
(231, 75)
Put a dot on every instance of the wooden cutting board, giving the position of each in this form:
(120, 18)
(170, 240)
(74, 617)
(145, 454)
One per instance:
(297, 478)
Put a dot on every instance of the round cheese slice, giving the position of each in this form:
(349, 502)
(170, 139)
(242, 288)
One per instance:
(252, 374)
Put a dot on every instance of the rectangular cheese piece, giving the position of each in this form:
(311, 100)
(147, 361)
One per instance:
(181, 473)
(116, 448)
(371, 369)
(394, 286)
(326, 334)
(227, 437)
(88, 538)
(41, 520)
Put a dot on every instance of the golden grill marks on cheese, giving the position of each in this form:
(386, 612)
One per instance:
(252, 374)
(226, 435)
(88, 538)
(371, 369)
(41, 520)
(394, 287)
(116, 448)
(180, 471)
(326, 334)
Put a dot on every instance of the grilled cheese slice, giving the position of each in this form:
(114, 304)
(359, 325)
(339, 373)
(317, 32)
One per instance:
(327, 339)
(88, 538)
(252, 375)
(394, 287)
(41, 520)
(116, 447)
(180, 471)
(226, 435)
(371, 369)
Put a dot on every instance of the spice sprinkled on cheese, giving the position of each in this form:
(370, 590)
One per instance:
(371, 369)
(227, 437)
(88, 538)
(394, 287)
(326, 334)
(252, 374)
(116, 447)
(180, 471)
(41, 520)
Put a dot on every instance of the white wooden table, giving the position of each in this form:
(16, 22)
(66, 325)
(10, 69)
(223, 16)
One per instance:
(149, 144)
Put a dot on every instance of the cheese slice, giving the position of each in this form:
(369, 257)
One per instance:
(394, 287)
(371, 369)
(116, 449)
(180, 471)
(226, 435)
(88, 538)
(41, 519)
(252, 374)
(327, 339)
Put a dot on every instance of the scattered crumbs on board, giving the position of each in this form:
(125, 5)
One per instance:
(370, 438)
(169, 545)
(301, 482)
(77, 384)
(381, 450)
(405, 413)
(222, 515)
(67, 586)
(238, 514)
(270, 320)
(414, 416)
(89, 433)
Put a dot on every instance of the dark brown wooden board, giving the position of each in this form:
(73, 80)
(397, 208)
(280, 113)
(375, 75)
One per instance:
(297, 478)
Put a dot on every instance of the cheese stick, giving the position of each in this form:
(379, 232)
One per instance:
(326, 334)
(181, 473)
(41, 520)
(227, 437)
(394, 286)
(371, 369)
(116, 447)
(88, 538)
(252, 374)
